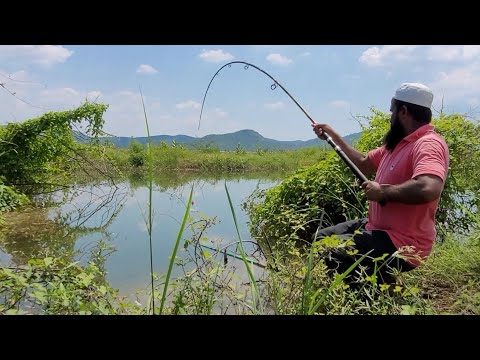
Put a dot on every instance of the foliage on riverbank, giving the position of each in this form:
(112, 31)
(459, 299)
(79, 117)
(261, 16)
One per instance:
(293, 282)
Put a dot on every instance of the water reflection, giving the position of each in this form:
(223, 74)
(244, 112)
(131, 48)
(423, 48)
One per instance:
(101, 218)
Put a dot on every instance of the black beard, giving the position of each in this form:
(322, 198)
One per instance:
(394, 135)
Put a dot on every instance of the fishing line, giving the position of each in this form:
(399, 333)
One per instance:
(329, 140)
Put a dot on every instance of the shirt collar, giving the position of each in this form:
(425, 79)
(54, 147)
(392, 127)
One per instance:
(417, 134)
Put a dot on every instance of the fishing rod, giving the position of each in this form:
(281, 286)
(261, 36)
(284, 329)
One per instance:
(329, 140)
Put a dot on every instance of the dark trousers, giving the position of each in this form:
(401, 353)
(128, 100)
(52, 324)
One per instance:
(376, 240)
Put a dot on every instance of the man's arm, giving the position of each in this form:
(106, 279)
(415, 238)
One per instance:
(361, 161)
(420, 189)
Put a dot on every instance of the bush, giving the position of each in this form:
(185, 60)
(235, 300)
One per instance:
(137, 154)
(293, 209)
(34, 149)
(9, 199)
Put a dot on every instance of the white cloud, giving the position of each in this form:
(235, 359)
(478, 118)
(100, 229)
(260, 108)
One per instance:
(59, 99)
(471, 51)
(452, 52)
(16, 102)
(93, 95)
(395, 54)
(146, 69)
(220, 112)
(20, 75)
(212, 123)
(340, 104)
(45, 55)
(278, 59)
(371, 56)
(19, 81)
(69, 90)
(31, 101)
(60, 93)
(443, 53)
(376, 56)
(215, 56)
(124, 116)
(190, 104)
(459, 83)
(275, 106)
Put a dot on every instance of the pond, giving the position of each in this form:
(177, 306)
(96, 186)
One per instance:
(115, 216)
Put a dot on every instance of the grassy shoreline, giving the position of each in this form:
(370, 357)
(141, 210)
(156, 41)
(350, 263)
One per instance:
(181, 159)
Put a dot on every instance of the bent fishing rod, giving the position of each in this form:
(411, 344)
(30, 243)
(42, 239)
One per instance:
(329, 140)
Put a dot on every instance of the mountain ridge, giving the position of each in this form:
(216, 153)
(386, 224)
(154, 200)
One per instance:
(246, 139)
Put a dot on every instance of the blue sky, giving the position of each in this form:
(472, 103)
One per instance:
(332, 83)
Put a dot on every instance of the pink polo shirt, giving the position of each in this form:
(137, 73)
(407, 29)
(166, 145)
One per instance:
(421, 152)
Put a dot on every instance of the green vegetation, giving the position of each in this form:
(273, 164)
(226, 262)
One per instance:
(292, 210)
(448, 283)
(52, 286)
(208, 159)
(450, 279)
(36, 149)
(9, 199)
(41, 153)
(137, 154)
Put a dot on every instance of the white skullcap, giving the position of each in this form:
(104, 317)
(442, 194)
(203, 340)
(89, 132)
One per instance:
(415, 93)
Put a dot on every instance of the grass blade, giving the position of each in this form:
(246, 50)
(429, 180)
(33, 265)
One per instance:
(174, 253)
(308, 281)
(308, 276)
(255, 292)
(150, 205)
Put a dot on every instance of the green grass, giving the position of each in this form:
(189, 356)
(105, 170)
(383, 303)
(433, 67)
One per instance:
(449, 282)
(181, 159)
(451, 276)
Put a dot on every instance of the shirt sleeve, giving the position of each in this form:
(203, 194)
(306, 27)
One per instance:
(430, 156)
(376, 156)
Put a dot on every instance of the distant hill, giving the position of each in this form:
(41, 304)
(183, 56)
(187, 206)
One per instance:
(247, 139)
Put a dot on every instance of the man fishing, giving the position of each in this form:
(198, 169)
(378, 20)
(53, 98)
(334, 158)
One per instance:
(410, 172)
